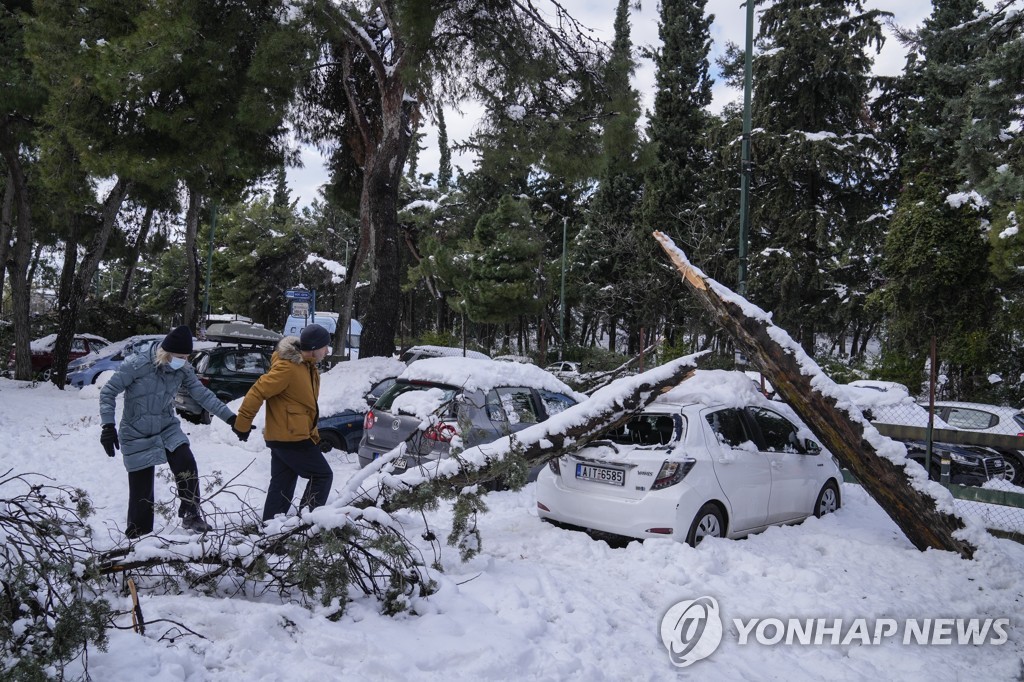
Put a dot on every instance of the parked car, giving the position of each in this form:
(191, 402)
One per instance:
(1008, 421)
(87, 369)
(968, 464)
(241, 356)
(421, 352)
(294, 325)
(564, 367)
(711, 458)
(344, 430)
(475, 401)
(42, 352)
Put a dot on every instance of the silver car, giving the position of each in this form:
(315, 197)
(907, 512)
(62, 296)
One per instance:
(441, 400)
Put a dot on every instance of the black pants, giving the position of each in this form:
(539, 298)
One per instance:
(288, 461)
(140, 491)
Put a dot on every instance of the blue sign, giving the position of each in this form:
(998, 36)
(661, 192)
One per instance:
(298, 294)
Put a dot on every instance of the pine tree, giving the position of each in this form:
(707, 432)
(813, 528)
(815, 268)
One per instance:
(500, 267)
(956, 96)
(815, 157)
(608, 247)
(678, 124)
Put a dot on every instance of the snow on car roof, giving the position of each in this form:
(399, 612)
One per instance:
(118, 346)
(446, 351)
(483, 375)
(716, 387)
(46, 343)
(344, 386)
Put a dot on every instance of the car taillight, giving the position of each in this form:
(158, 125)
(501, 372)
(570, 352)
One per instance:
(440, 432)
(369, 420)
(555, 467)
(671, 473)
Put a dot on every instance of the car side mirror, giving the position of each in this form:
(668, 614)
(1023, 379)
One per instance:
(495, 413)
(811, 447)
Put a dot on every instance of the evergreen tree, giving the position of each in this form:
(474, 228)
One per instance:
(608, 248)
(499, 269)
(938, 285)
(815, 160)
(678, 124)
(956, 96)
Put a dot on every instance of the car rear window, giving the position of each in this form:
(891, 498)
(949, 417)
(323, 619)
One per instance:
(387, 400)
(648, 429)
(250, 362)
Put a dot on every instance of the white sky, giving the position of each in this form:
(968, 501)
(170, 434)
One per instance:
(729, 25)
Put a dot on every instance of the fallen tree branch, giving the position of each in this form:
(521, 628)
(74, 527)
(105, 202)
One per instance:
(608, 408)
(921, 508)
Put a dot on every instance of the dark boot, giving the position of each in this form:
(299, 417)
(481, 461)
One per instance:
(195, 523)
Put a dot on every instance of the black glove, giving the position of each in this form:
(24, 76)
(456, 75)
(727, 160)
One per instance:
(242, 435)
(109, 439)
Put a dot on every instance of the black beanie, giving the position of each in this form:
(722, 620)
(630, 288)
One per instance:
(314, 337)
(178, 341)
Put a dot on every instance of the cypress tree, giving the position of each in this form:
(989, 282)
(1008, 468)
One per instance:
(815, 157)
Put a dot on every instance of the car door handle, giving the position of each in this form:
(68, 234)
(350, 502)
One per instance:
(776, 464)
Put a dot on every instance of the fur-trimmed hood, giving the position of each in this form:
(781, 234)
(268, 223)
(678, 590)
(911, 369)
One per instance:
(290, 389)
(288, 349)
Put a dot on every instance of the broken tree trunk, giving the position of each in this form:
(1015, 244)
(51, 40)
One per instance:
(567, 431)
(816, 398)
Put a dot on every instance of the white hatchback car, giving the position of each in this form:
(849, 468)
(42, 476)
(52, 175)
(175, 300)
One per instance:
(713, 457)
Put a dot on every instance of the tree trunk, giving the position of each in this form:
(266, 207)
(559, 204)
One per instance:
(378, 213)
(844, 431)
(20, 255)
(351, 279)
(190, 315)
(6, 230)
(83, 279)
(133, 258)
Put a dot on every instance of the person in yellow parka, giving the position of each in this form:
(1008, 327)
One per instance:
(291, 389)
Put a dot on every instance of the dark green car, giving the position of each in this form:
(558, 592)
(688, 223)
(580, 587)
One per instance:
(230, 368)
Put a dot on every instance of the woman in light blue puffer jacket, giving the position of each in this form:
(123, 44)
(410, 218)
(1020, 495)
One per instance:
(150, 433)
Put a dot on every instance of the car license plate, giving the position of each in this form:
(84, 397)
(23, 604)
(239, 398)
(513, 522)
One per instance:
(400, 463)
(587, 472)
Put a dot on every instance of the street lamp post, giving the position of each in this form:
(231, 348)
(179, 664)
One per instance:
(561, 316)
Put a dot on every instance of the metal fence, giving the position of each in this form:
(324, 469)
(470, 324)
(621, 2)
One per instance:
(974, 450)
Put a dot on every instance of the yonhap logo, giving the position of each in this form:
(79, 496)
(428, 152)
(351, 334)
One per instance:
(691, 630)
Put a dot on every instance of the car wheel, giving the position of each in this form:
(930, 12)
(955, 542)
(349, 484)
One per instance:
(46, 374)
(330, 438)
(205, 417)
(1014, 470)
(708, 523)
(828, 499)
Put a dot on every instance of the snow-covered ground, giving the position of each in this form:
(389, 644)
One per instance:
(538, 602)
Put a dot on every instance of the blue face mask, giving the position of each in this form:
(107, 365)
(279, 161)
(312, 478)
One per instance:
(177, 363)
